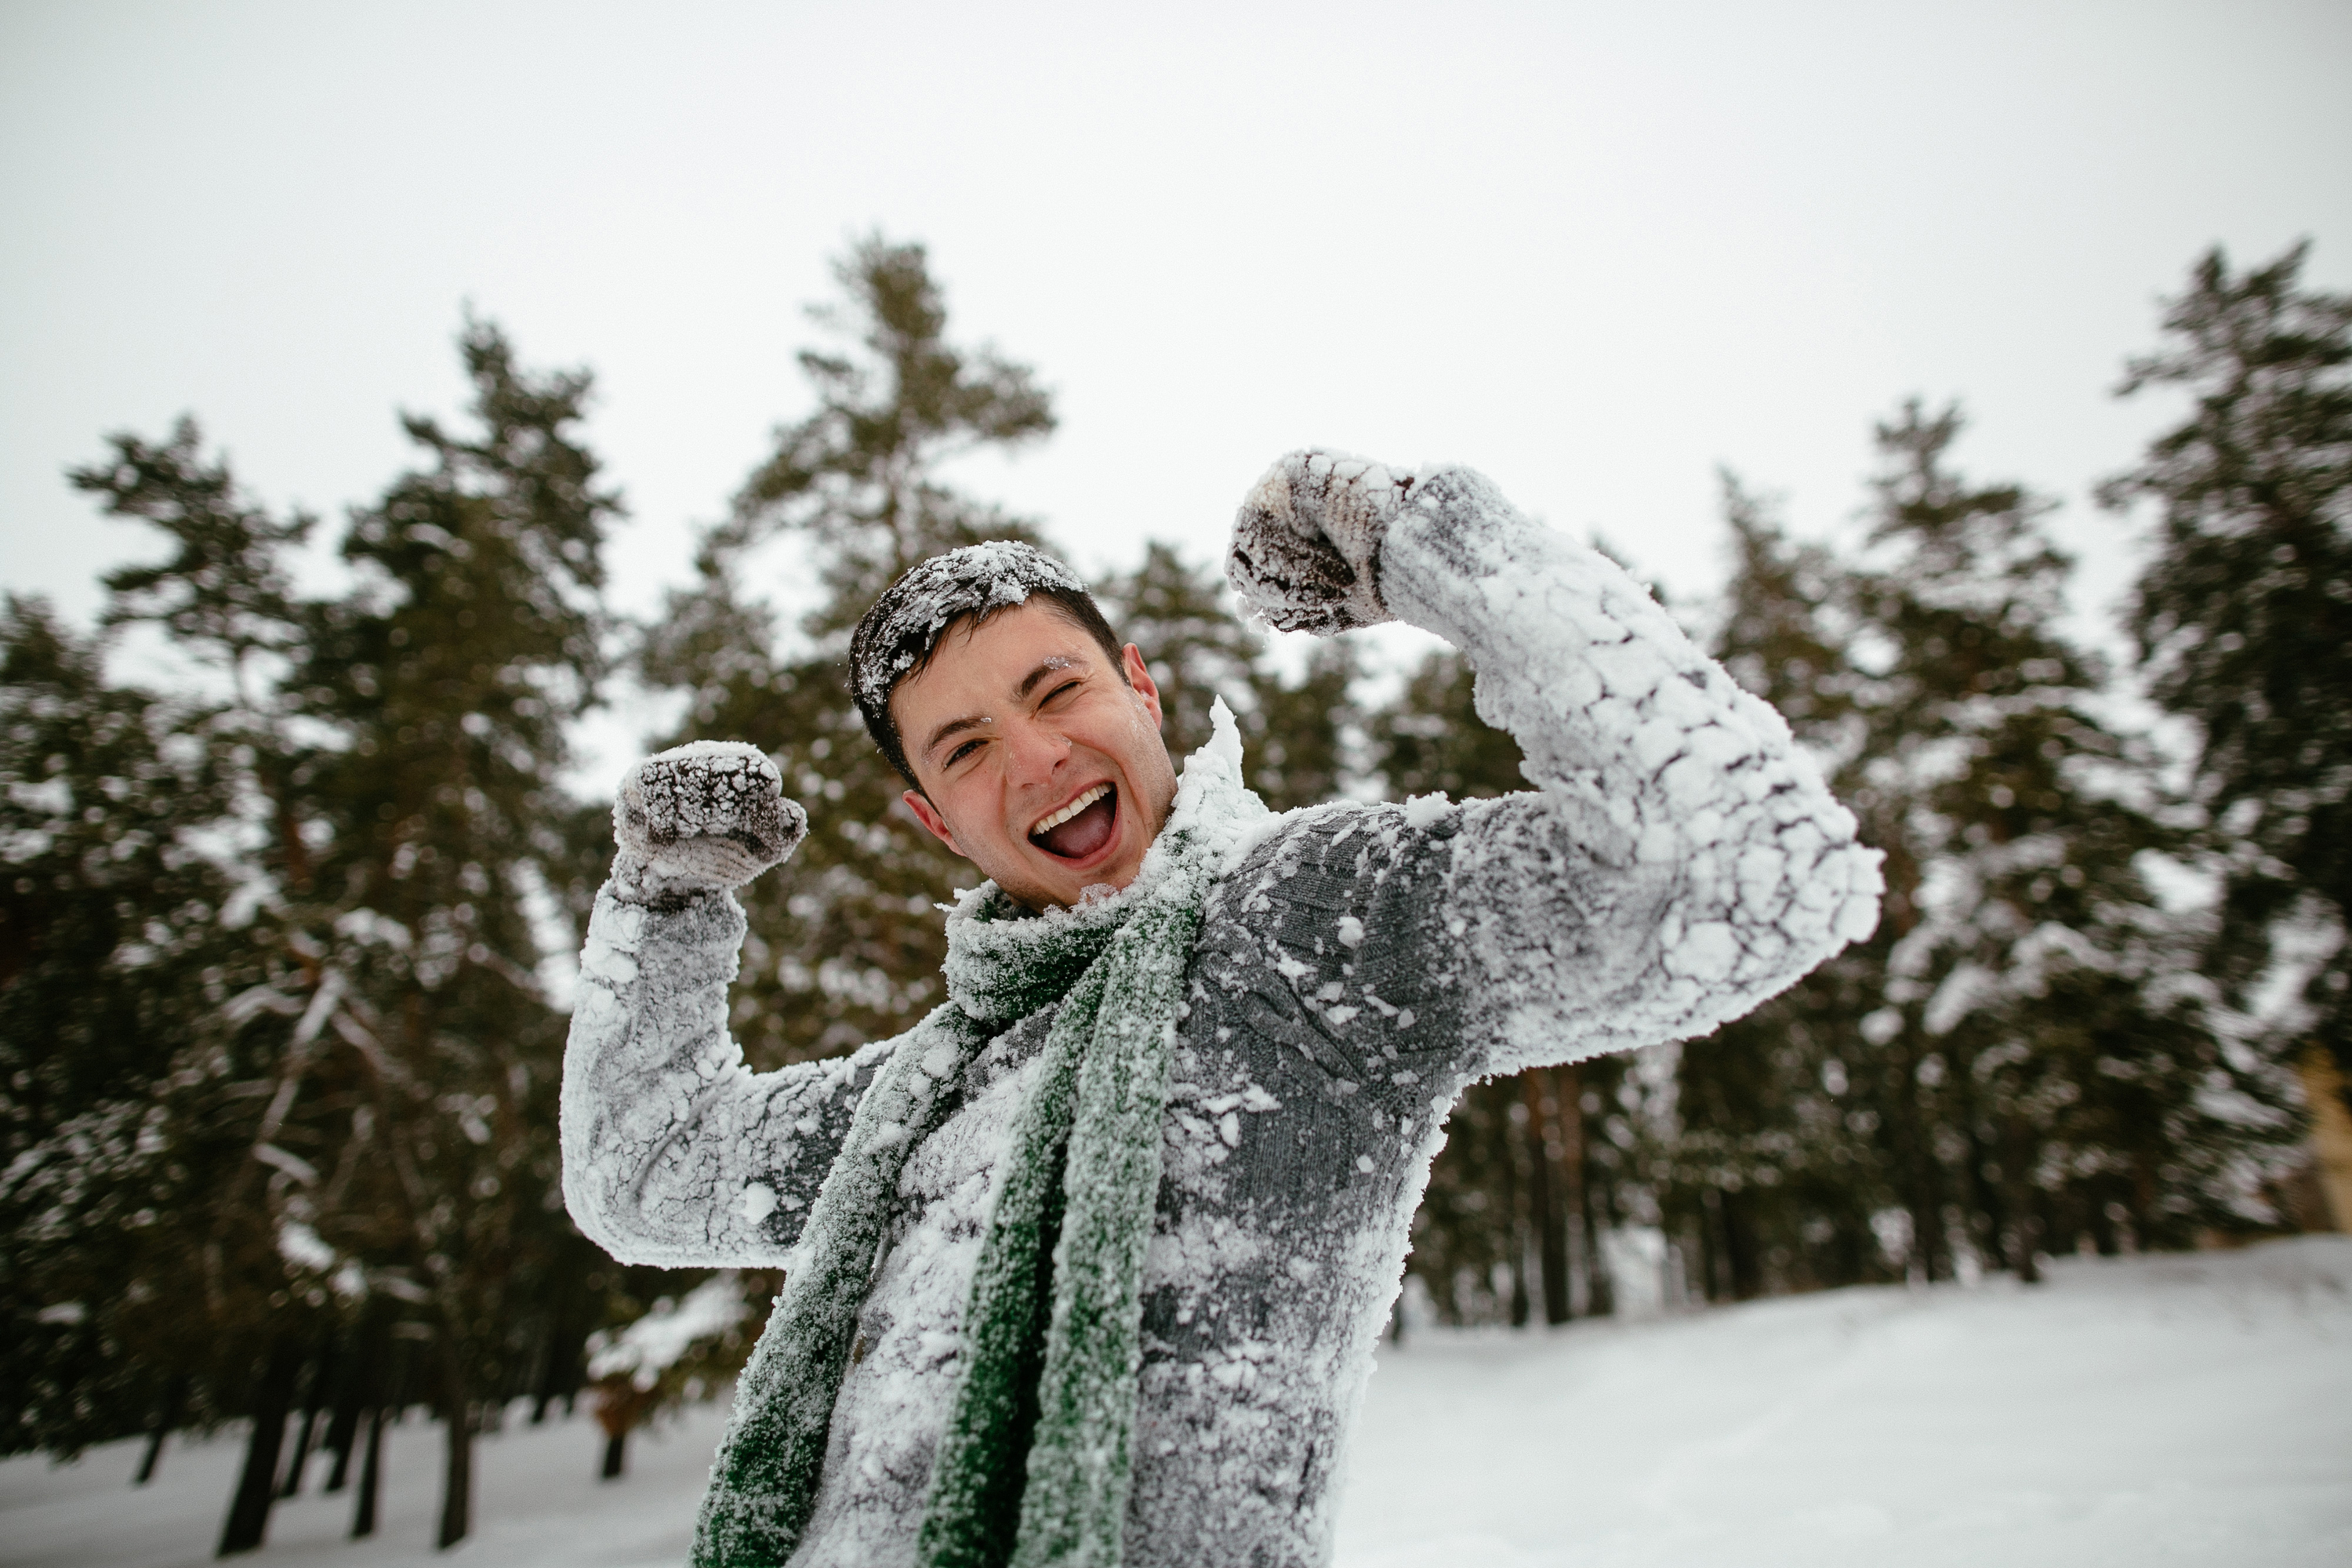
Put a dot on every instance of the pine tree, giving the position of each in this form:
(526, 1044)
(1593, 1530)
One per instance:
(860, 476)
(115, 952)
(2244, 618)
(450, 687)
(144, 1193)
(1300, 735)
(165, 1292)
(1430, 740)
(2039, 1070)
(360, 1108)
(844, 947)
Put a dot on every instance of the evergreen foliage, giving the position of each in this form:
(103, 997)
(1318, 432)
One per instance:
(845, 943)
(2041, 1070)
(2018, 1062)
(1195, 647)
(308, 1079)
(2244, 618)
(117, 955)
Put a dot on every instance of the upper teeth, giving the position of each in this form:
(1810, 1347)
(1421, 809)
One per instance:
(1071, 810)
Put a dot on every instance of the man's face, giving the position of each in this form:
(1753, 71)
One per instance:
(1013, 725)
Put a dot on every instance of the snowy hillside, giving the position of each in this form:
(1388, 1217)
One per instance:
(2142, 1411)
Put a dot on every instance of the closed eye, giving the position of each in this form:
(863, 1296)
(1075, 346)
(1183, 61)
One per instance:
(960, 752)
(1059, 691)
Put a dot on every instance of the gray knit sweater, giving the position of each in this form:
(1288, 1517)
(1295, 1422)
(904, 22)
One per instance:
(1358, 964)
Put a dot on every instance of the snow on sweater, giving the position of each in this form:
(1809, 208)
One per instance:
(1358, 966)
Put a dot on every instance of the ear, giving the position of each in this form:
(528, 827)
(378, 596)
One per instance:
(1138, 676)
(928, 816)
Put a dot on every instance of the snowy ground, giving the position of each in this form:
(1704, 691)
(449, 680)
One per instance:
(2142, 1411)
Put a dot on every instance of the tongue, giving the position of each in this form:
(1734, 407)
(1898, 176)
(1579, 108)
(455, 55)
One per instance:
(1083, 834)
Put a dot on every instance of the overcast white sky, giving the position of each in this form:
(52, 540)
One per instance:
(1595, 250)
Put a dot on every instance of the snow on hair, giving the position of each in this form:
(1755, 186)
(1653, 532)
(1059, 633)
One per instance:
(898, 637)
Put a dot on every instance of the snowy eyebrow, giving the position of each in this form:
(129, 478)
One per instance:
(1050, 664)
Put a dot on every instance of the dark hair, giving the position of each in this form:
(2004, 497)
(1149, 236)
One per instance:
(967, 587)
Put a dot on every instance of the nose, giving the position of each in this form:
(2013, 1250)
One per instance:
(1035, 752)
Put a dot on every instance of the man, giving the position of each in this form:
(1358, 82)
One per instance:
(1089, 1266)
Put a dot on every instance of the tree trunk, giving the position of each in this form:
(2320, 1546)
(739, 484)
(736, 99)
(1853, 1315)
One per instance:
(256, 1488)
(343, 1428)
(617, 1455)
(1714, 1279)
(2029, 1264)
(371, 1476)
(2022, 1201)
(1934, 1245)
(1743, 1249)
(321, 1371)
(458, 1472)
(2103, 1225)
(364, 1384)
(1515, 1235)
(544, 1382)
(296, 1461)
(1546, 1211)
(1567, 1094)
(561, 1368)
(167, 1415)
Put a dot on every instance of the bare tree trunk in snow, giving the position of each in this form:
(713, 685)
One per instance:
(321, 1370)
(1569, 1095)
(362, 1386)
(371, 1476)
(167, 1415)
(257, 1485)
(1546, 1211)
(458, 1472)
(1515, 1235)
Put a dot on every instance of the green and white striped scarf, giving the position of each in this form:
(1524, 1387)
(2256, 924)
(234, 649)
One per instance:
(1034, 1463)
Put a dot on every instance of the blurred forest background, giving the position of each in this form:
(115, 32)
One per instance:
(281, 977)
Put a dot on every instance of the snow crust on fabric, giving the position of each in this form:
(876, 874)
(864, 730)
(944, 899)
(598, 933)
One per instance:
(764, 1482)
(670, 1143)
(1643, 747)
(1356, 966)
(1307, 549)
(1105, 1091)
(706, 814)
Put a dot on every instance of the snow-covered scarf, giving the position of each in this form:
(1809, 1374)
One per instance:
(1052, 1348)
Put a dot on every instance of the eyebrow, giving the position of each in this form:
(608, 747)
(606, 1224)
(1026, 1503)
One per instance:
(1053, 663)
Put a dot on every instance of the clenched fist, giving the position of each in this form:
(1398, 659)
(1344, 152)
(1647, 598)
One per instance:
(699, 818)
(1307, 542)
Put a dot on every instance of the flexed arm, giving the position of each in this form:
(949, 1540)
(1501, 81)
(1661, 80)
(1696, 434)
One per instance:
(1679, 861)
(674, 1151)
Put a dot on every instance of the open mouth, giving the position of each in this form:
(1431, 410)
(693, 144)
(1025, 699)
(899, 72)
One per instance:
(1080, 828)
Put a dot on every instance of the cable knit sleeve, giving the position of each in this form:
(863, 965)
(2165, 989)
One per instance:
(675, 1152)
(1680, 860)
